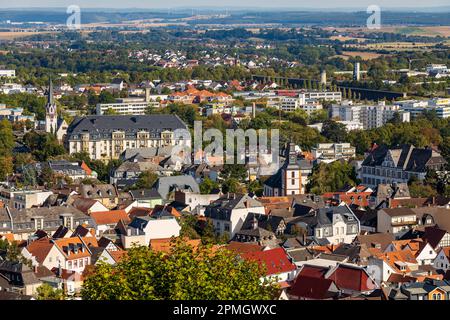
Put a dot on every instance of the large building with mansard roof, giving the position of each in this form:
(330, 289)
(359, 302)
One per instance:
(106, 137)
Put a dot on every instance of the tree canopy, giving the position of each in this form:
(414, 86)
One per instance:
(185, 273)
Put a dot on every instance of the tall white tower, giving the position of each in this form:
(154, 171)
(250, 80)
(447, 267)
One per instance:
(356, 72)
(51, 116)
(291, 176)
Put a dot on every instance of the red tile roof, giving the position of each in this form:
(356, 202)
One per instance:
(109, 217)
(352, 278)
(313, 271)
(85, 167)
(275, 261)
(311, 287)
(40, 249)
(243, 247)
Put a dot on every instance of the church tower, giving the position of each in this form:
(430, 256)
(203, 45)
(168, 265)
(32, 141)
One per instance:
(291, 178)
(51, 116)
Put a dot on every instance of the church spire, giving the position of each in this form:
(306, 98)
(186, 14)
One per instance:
(50, 92)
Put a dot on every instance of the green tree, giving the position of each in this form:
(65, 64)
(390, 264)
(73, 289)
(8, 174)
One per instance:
(207, 186)
(47, 292)
(334, 131)
(6, 138)
(331, 177)
(183, 274)
(146, 180)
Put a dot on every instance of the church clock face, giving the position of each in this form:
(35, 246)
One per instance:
(292, 158)
(51, 110)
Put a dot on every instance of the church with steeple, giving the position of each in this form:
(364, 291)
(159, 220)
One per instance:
(52, 123)
(291, 178)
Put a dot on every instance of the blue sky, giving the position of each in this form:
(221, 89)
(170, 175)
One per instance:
(230, 3)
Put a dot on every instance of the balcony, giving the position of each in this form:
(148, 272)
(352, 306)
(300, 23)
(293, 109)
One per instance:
(403, 223)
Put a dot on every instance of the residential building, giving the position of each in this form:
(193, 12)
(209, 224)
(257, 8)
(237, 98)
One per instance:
(276, 262)
(329, 152)
(375, 116)
(146, 198)
(416, 108)
(335, 225)
(430, 289)
(7, 73)
(370, 116)
(64, 168)
(229, 212)
(167, 186)
(106, 194)
(143, 229)
(24, 199)
(196, 201)
(14, 114)
(85, 205)
(24, 223)
(442, 260)
(385, 166)
(106, 137)
(71, 253)
(323, 95)
(396, 221)
(105, 221)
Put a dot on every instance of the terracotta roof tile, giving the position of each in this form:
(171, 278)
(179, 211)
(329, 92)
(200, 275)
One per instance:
(109, 217)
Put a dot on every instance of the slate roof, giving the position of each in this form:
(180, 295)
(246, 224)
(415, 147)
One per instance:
(324, 217)
(406, 157)
(221, 208)
(98, 191)
(165, 185)
(146, 153)
(100, 127)
(145, 194)
(267, 222)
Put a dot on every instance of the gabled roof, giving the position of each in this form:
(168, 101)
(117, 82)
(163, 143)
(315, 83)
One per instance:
(275, 261)
(313, 288)
(243, 247)
(351, 277)
(40, 249)
(221, 208)
(406, 157)
(433, 235)
(84, 204)
(109, 217)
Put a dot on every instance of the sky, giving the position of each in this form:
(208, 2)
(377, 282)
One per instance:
(227, 3)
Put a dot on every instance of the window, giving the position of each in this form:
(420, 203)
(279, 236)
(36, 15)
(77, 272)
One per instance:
(436, 296)
(69, 265)
(293, 181)
(292, 174)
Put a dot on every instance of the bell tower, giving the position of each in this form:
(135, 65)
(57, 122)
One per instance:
(291, 177)
(51, 116)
